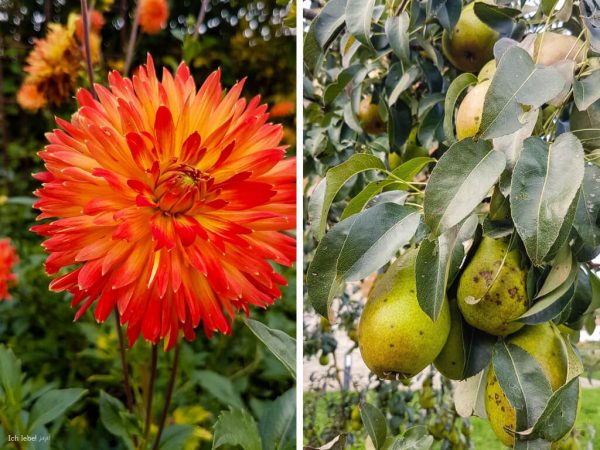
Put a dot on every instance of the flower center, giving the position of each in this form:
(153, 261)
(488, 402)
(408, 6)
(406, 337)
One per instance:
(180, 188)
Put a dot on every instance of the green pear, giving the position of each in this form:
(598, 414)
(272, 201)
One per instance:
(451, 360)
(396, 338)
(544, 344)
(468, 116)
(471, 43)
(500, 289)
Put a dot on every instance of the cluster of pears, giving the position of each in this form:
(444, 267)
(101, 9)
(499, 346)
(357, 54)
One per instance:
(398, 340)
(469, 47)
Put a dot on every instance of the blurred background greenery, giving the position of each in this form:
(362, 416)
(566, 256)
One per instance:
(244, 38)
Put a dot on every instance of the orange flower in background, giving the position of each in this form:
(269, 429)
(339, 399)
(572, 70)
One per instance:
(153, 15)
(169, 202)
(96, 24)
(8, 258)
(283, 109)
(53, 64)
(30, 98)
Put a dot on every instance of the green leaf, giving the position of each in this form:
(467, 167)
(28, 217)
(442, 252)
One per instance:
(113, 417)
(496, 17)
(277, 425)
(587, 215)
(432, 269)
(545, 183)
(559, 415)
(174, 437)
(218, 386)
(322, 32)
(282, 345)
(517, 82)
(457, 87)
(51, 405)
(414, 438)
(360, 200)
(10, 376)
(478, 349)
(561, 269)
(336, 178)
(586, 126)
(396, 29)
(406, 80)
(333, 90)
(460, 180)
(410, 169)
(469, 395)
(512, 144)
(522, 381)
(550, 306)
(358, 20)
(237, 427)
(356, 247)
(586, 90)
(375, 424)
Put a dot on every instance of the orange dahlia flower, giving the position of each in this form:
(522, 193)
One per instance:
(169, 202)
(30, 98)
(8, 258)
(153, 15)
(54, 63)
(283, 109)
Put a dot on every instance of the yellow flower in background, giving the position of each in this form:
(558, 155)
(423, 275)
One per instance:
(53, 64)
(193, 415)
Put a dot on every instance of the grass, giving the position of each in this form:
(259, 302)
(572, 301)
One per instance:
(483, 437)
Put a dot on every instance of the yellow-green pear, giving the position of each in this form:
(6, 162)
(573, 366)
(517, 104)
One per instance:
(471, 43)
(396, 338)
(451, 360)
(468, 116)
(544, 344)
(488, 71)
(500, 289)
(550, 47)
(369, 118)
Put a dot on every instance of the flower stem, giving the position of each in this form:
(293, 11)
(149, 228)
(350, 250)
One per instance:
(86, 45)
(132, 38)
(125, 368)
(168, 396)
(150, 391)
(200, 20)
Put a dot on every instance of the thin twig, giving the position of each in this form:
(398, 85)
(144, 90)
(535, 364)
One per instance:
(126, 384)
(200, 20)
(150, 391)
(86, 44)
(168, 396)
(132, 38)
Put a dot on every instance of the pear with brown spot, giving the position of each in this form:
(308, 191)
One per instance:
(491, 295)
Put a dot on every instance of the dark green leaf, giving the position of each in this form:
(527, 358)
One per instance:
(561, 269)
(336, 178)
(237, 427)
(396, 29)
(399, 124)
(345, 76)
(478, 348)
(277, 425)
(498, 18)
(218, 386)
(360, 200)
(447, 12)
(432, 269)
(53, 404)
(356, 247)
(545, 183)
(459, 182)
(559, 415)
(375, 424)
(587, 215)
(406, 80)
(322, 31)
(586, 90)
(174, 437)
(10, 376)
(358, 20)
(522, 381)
(457, 87)
(279, 343)
(112, 415)
(517, 82)
(586, 126)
